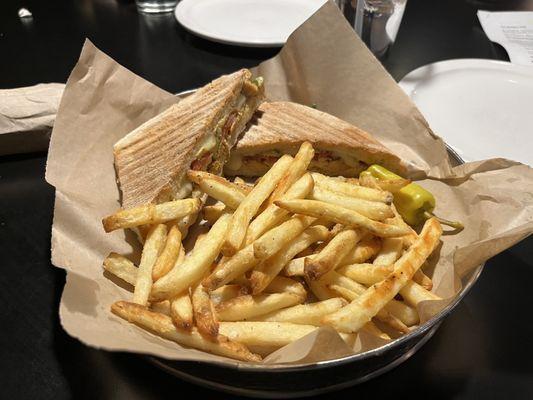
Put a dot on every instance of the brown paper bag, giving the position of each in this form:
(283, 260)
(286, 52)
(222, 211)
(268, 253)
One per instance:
(103, 101)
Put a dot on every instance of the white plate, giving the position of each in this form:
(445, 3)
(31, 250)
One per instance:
(254, 23)
(482, 108)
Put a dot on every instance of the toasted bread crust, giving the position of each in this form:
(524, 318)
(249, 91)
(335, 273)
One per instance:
(285, 125)
(151, 161)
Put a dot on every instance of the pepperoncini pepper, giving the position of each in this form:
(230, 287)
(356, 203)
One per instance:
(414, 203)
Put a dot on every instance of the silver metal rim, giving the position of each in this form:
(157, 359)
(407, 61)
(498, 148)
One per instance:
(312, 392)
(422, 329)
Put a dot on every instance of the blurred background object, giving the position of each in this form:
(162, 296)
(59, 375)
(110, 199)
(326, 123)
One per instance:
(155, 6)
(375, 21)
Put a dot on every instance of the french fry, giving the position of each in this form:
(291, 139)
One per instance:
(407, 315)
(321, 290)
(265, 272)
(162, 325)
(152, 248)
(423, 280)
(351, 189)
(121, 267)
(331, 255)
(195, 265)
(225, 293)
(181, 311)
(246, 307)
(391, 249)
(169, 255)
(233, 268)
(161, 307)
(391, 185)
(307, 314)
(218, 188)
(213, 213)
(277, 334)
(248, 207)
(274, 215)
(365, 249)
(397, 220)
(296, 170)
(369, 181)
(204, 313)
(382, 315)
(372, 329)
(341, 215)
(295, 267)
(352, 317)
(239, 181)
(280, 284)
(375, 210)
(273, 241)
(340, 284)
(365, 273)
(412, 293)
(151, 214)
(370, 274)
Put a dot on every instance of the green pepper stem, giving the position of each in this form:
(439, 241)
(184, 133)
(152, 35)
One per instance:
(454, 224)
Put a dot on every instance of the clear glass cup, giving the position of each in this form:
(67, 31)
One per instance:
(155, 6)
(375, 21)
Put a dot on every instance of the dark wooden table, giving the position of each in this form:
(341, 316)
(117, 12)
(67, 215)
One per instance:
(480, 351)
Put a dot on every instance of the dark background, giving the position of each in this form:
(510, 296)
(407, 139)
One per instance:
(481, 351)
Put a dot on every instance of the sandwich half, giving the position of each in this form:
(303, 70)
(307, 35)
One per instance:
(280, 128)
(196, 133)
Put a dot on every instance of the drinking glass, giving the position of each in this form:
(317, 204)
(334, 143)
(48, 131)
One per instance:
(375, 21)
(155, 6)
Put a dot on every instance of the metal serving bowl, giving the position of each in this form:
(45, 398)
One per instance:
(298, 380)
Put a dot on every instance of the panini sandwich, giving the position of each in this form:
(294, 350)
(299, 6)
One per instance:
(196, 133)
(281, 127)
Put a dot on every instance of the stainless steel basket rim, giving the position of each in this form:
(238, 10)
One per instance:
(422, 329)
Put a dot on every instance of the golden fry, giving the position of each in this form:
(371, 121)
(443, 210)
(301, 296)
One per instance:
(151, 214)
(352, 317)
(204, 312)
(297, 168)
(162, 326)
(351, 189)
(195, 265)
(232, 268)
(331, 255)
(341, 215)
(181, 311)
(213, 213)
(273, 215)
(307, 314)
(272, 241)
(265, 272)
(375, 210)
(121, 267)
(152, 248)
(281, 284)
(366, 249)
(218, 188)
(250, 205)
(246, 307)
(169, 255)
(277, 334)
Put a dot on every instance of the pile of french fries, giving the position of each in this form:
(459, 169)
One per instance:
(293, 252)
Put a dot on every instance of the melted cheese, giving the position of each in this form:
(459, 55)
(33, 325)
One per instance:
(208, 144)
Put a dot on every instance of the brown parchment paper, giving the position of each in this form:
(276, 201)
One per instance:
(323, 62)
(27, 115)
